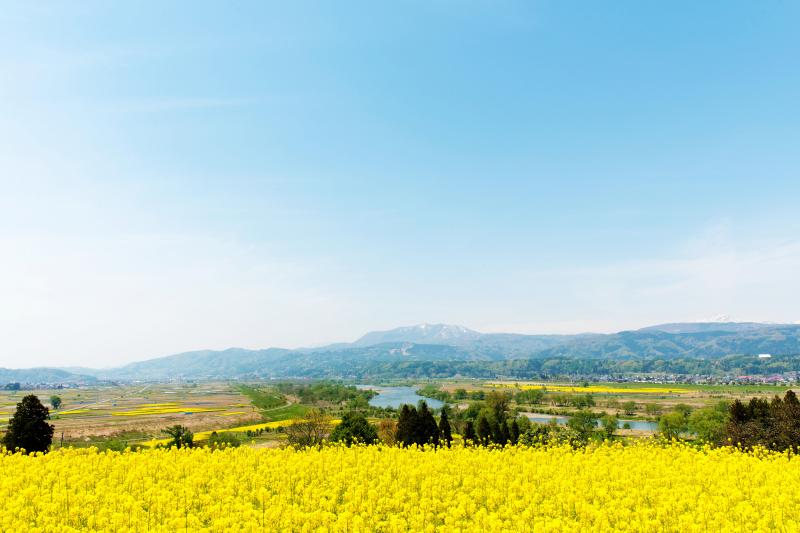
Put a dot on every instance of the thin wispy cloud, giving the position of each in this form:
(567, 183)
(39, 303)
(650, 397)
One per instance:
(268, 176)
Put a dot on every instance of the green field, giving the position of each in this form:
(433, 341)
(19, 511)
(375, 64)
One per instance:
(132, 414)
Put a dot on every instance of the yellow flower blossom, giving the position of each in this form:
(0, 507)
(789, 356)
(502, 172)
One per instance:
(637, 488)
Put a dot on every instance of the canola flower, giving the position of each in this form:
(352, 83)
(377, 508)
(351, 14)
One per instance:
(204, 435)
(73, 412)
(639, 488)
(601, 389)
(167, 410)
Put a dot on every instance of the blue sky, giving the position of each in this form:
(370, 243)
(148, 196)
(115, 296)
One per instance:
(182, 175)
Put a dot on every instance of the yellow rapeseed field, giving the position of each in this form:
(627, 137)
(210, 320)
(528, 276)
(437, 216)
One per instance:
(204, 435)
(146, 411)
(600, 389)
(641, 487)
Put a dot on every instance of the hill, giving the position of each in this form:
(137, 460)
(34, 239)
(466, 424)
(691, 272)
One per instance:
(440, 350)
(44, 376)
(421, 334)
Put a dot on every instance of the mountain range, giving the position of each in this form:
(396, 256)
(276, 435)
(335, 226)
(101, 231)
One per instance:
(442, 350)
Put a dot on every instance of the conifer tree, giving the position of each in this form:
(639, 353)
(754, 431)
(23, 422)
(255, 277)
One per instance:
(407, 426)
(28, 428)
(513, 435)
(502, 433)
(445, 435)
(427, 432)
(484, 430)
(469, 433)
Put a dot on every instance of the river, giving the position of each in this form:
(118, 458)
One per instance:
(639, 425)
(397, 396)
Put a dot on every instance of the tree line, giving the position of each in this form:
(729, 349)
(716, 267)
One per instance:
(773, 424)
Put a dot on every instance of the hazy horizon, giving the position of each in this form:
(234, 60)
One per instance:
(190, 176)
(717, 319)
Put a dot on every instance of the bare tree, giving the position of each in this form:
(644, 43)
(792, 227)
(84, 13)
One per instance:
(387, 431)
(311, 431)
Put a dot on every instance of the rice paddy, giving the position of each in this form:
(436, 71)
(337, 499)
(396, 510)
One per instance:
(137, 414)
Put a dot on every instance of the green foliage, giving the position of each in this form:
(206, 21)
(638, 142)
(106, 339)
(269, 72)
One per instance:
(469, 436)
(513, 436)
(500, 432)
(55, 401)
(433, 391)
(708, 424)
(672, 424)
(325, 391)
(180, 436)
(118, 445)
(359, 403)
(547, 434)
(538, 434)
(523, 423)
(609, 423)
(354, 427)
(498, 403)
(582, 401)
(417, 426)
(629, 407)
(529, 397)
(683, 408)
(477, 395)
(774, 425)
(288, 412)
(484, 430)
(261, 398)
(219, 441)
(552, 365)
(427, 432)
(407, 426)
(472, 411)
(652, 409)
(28, 428)
(445, 434)
(583, 423)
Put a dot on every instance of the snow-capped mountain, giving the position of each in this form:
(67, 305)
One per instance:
(421, 334)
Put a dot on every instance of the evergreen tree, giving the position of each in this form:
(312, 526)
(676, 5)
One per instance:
(354, 428)
(469, 433)
(505, 433)
(513, 435)
(774, 425)
(484, 430)
(494, 432)
(407, 426)
(427, 431)
(28, 428)
(445, 435)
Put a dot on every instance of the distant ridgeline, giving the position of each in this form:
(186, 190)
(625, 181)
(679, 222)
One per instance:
(437, 350)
